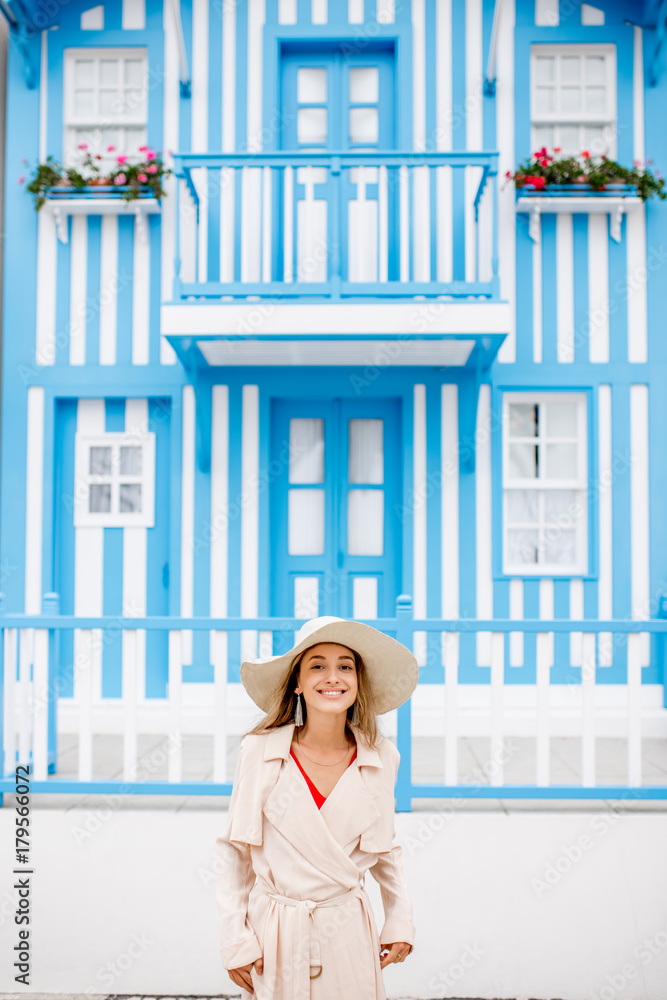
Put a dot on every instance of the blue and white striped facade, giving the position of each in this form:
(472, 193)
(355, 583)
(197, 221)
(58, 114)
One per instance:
(100, 337)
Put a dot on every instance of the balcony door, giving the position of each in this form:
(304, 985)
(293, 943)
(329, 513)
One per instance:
(335, 490)
(334, 100)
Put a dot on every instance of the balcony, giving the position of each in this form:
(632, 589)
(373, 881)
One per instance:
(336, 226)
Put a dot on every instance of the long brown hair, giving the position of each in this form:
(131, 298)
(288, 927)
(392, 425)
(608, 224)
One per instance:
(282, 710)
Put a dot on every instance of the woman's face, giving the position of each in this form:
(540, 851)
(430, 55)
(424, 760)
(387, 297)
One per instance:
(328, 678)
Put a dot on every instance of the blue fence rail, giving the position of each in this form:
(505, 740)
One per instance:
(336, 225)
(29, 688)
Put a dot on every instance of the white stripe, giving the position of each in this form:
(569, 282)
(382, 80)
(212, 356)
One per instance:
(228, 77)
(516, 611)
(537, 296)
(199, 99)
(77, 295)
(605, 539)
(286, 11)
(450, 500)
(130, 696)
(443, 139)
(141, 297)
(34, 501)
(547, 13)
(638, 95)
(108, 301)
(88, 578)
(45, 339)
(637, 274)
(421, 224)
(484, 576)
(505, 198)
(543, 687)
(385, 11)
(219, 501)
(40, 691)
(355, 11)
(473, 119)
(176, 661)
(187, 516)
(319, 12)
(635, 710)
(418, 75)
(419, 516)
(546, 607)
(639, 510)
(598, 288)
(135, 576)
(171, 99)
(43, 93)
(564, 287)
(134, 15)
(497, 696)
(256, 17)
(249, 514)
(588, 711)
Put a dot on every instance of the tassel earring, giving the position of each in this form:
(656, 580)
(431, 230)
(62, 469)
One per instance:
(298, 715)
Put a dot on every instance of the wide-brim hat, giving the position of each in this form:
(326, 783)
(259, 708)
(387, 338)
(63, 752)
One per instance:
(391, 667)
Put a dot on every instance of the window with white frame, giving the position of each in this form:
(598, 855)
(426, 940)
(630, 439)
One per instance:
(573, 98)
(106, 100)
(545, 483)
(115, 480)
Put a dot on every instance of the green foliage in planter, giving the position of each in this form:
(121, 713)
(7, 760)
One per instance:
(544, 168)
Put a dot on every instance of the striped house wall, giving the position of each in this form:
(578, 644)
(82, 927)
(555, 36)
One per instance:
(577, 325)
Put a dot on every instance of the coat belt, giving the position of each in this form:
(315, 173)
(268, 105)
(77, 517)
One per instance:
(307, 952)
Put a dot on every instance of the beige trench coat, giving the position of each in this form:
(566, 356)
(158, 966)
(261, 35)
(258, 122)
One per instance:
(290, 876)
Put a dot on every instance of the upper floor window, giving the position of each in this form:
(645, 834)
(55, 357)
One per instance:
(544, 483)
(573, 98)
(115, 480)
(105, 102)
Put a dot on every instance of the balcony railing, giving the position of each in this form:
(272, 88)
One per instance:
(30, 703)
(336, 225)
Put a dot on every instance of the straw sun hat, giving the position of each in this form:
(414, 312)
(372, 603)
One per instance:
(391, 668)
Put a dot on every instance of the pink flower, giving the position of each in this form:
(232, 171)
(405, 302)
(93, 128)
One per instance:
(110, 149)
(152, 169)
(120, 179)
(142, 177)
(556, 149)
(637, 163)
(122, 158)
(83, 145)
(142, 149)
(150, 155)
(21, 179)
(586, 155)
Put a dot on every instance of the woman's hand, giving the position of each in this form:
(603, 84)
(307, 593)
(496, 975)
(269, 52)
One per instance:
(241, 976)
(396, 953)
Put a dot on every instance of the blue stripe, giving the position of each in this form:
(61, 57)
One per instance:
(125, 283)
(241, 79)
(580, 261)
(549, 290)
(155, 282)
(433, 671)
(524, 285)
(65, 428)
(62, 324)
(618, 301)
(201, 668)
(157, 551)
(234, 530)
(185, 103)
(621, 519)
(560, 672)
(214, 135)
(112, 578)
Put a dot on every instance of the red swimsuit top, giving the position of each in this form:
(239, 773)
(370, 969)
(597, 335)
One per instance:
(317, 795)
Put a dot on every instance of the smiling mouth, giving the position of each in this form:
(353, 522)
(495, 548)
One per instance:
(331, 694)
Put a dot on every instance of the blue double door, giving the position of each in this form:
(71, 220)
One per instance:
(335, 500)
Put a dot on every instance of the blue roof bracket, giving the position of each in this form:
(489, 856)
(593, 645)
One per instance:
(195, 365)
(490, 75)
(469, 384)
(19, 21)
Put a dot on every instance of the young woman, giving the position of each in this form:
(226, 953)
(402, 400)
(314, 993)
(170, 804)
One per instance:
(312, 810)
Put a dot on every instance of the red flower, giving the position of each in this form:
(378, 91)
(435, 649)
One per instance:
(557, 149)
(122, 158)
(544, 162)
(142, 177)
(537, 182)
(586, 155)
(508, 173)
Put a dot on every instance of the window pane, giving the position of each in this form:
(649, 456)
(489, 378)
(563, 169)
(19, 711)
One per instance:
(545, 69)
(524, 420)
(570, 68)
(84, 73)
(364, 597)
(130, 460)
(570, 142)
(306, 450)
(570, 100)
(365, 522)
(523, 461)
(597, 140)
(365, 457)
(561, 420)
(543, 136)
(522, 547)
(595, 70)
(99, 499)
(523, 506)
(134, 137)
(133, 72)
(83, 103)
(364, 85)
(306, 596)
(100, 462)
(109, 104)
(561, 461)
(130, 498)
(545, 100)
(364, 125)
(311, 124)
(108, 72)
(562, 506)
(311, 85)
(560, 547)
(596, 100)
(305, 516)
